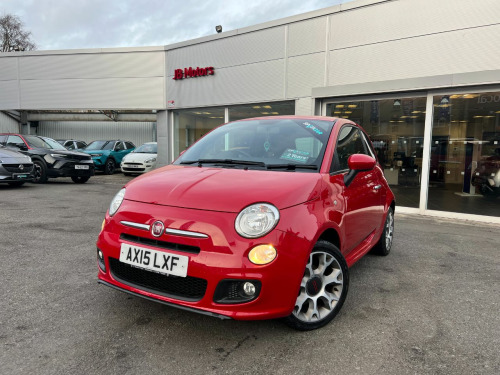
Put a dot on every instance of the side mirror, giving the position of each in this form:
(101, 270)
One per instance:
(23, 147)
(358, 163)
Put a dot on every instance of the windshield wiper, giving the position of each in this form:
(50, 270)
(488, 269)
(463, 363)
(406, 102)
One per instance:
(291, 167)
(224, 161)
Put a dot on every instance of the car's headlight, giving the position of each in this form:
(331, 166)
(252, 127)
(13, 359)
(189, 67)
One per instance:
(96, 155)
(60, 156)
(257, 220)
(150, 160)
(116, 202)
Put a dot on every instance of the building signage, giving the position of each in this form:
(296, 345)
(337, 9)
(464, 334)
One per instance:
(193, 72)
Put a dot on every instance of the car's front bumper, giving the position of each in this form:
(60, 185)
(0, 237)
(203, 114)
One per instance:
(71, 168)
(222, 256)
(12, 173)
(129, 167)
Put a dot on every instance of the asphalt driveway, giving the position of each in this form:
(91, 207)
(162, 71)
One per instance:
(431, 307)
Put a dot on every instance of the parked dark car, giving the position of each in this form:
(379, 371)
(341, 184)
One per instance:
(15, 168)
(50, 159)
(72, 144)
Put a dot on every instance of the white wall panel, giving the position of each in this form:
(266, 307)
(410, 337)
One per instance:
(264, 45)
(407, 18)
(307, 36)
(305, 72)
(241, 84)
(445, 53)
(8, 68)
(9, 95)
(303, 107)
(97, 65)
(8, 124)
(136, 132)
(125, 93)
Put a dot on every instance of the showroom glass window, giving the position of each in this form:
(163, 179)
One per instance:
(192, 124)
(241, 112)
(464, 173)
(396, 129)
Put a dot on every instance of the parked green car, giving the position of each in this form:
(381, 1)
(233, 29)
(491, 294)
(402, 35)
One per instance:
(107, 155)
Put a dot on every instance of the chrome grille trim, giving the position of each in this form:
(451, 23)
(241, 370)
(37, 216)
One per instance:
(135, 225)
(185, 233)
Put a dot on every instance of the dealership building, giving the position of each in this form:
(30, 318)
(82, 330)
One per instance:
(421, 76)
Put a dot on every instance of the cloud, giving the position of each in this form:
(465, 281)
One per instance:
(127, 23)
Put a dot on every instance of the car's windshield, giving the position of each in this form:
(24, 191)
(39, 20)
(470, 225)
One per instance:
(291, 143)
(34, 141)
(100, 145)
(147, 148)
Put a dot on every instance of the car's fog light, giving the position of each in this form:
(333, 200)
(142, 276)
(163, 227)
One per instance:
(262, 254)
(249, 288)
(100, 260)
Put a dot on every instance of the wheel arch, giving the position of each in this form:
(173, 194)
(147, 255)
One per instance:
(330, 235)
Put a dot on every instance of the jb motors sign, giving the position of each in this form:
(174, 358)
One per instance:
(193, 72)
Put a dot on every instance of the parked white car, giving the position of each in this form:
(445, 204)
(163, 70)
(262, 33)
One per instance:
(141, 160)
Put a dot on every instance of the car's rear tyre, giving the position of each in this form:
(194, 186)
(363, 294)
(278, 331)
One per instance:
(384, 244)
(109, 166)
(323, 288)
(39, 172)
(16, 183)
(80, 179)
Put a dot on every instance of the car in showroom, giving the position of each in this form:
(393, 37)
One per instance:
(261, 218)
(15, 168)
(107, 155)
(141, 160)
(72, 144)
(50, 159)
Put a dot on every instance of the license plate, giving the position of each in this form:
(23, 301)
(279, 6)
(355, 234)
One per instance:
(153, 260)
(81, 166)
(20, 176)
(133, 166)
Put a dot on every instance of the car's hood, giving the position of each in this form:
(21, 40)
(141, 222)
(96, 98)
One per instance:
(136, 157)
(8, 156)
(91, 152)
(222, 189)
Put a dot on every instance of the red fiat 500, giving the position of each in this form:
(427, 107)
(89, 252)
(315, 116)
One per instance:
(260, 219)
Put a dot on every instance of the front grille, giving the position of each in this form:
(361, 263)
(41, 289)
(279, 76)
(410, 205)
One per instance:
(185, 288)
(14, 168)
(162, 244)
(133, 169)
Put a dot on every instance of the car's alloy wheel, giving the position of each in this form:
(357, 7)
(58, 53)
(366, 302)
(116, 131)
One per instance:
(109, 167)
(323, 288)
(80, 179)
(383, 246)
(39, 172)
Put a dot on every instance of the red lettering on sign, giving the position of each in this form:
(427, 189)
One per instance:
(191, 72)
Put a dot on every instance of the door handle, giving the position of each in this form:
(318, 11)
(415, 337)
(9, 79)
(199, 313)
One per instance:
(377, 187)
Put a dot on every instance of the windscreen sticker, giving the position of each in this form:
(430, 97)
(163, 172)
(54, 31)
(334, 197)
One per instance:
(295, 155)
(312, 127)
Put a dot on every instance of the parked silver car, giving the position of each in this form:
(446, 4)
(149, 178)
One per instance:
(15, 168)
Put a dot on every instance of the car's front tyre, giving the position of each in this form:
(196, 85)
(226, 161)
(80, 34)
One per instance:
(109, 166)
(323, 288)
(39, 172)
(80, 179)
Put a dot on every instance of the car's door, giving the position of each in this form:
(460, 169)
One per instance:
(119, 151)
(361, 201)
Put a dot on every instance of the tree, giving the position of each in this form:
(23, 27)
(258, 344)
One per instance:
(13, 37)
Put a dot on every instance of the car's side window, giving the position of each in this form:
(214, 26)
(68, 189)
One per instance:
(349, 142)
(2, 139)
(70, 145)
(80, 145)
(129, 145)
(15, 141)
(119, 146)
(368, 146)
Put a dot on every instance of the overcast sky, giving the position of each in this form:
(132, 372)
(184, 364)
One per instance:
(65, 24)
